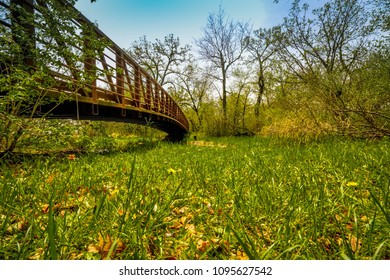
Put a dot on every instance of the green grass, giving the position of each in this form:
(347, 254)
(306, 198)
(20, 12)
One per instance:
(223, 198)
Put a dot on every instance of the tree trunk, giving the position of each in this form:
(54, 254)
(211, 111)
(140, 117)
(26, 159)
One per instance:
(224, 102)
(260, 94)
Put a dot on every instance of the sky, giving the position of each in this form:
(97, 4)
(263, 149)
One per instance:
(125, 21)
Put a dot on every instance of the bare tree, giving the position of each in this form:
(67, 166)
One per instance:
(334, 38)
(192, 89)
(240, 91)
(160, 58)
(262, 47)
(325, 49)
(223, 44)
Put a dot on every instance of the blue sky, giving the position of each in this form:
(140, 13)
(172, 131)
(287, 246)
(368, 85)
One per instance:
(125, 21)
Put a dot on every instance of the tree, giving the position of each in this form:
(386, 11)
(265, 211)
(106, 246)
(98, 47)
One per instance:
(240, 92)
(223, 44)
(193, 86)
(262, 47)
(382, 13)
(334, 39)
(324, 48)
(160, 59)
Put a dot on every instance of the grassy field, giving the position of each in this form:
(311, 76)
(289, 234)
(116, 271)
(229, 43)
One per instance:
(217, 198)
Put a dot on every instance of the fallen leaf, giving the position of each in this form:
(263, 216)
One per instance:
(202, 245)
(183, 210)
(76, 256)
(38, 254)
(325, 242)
(72, 157)
(171, 171)
(93, 249)
(50, 179)
(176, 224)
(183, 220)
(45, 208)
(207, 144)
(190, 228)
(18, 225)
(355, 243)
(349, 226)
(120, 246)
(104, 245)
(242, 256)
(178, 211)
(338, 239)
(82, 190)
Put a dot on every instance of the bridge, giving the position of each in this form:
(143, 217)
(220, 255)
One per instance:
(91, 77)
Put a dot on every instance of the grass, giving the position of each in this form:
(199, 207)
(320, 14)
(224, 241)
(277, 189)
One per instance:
(218, 198)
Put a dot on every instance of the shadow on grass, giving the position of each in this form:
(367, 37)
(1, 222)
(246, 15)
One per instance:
(141, 146)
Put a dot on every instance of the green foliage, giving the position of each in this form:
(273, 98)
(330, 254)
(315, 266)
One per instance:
(39, 46)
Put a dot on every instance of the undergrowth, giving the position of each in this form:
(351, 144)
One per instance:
(215, 198)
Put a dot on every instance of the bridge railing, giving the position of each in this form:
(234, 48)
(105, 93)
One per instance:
(114, 78)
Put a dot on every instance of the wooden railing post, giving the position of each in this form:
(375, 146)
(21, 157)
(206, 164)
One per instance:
(156, 97)
(120, 80)
(148, 93)
(161, 101)
(137, 82)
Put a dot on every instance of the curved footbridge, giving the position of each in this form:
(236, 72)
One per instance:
(119, 90)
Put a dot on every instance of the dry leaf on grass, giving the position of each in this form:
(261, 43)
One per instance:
(104, 246)
(190, 229)
(355, 243)
(50, 179)
(241, 256)
(178, 211)
(202, 245)
(18, 225)
(38, 254)
(202, 143)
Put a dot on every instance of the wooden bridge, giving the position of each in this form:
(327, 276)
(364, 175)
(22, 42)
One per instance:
(92, 78)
